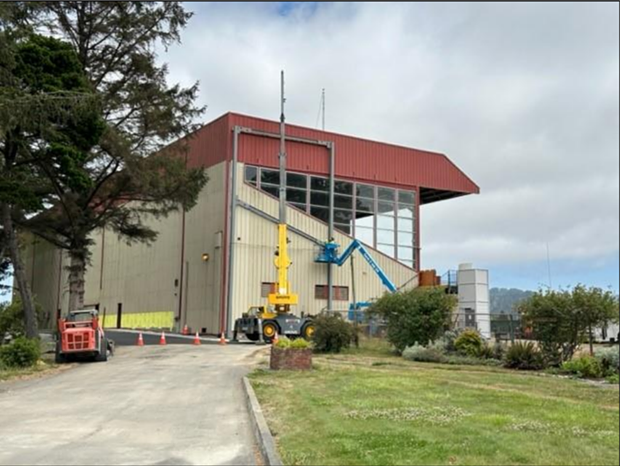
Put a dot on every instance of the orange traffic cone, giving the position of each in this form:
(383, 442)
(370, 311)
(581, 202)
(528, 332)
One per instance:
(162, 339)
(196, 339)
(222, 339)
(185, 331)
(140, 340)
(275, 339)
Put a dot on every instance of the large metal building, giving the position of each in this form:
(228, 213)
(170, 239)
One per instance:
(211, 264)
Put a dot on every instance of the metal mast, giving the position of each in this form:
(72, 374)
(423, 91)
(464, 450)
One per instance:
(282, 154)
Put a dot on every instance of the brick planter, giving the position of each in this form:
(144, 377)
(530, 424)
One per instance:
(290, 359)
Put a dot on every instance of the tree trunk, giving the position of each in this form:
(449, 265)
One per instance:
(77, 270)
(19, 274)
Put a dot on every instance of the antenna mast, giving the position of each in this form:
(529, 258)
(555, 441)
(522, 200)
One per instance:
(282, 155)
(323, 107)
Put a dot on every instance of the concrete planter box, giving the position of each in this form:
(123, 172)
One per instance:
(291, 359)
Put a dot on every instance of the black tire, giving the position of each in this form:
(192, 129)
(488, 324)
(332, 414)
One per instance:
(252, 336)
(103, 351)
(270, 329)
(307, 331)
(59, 358)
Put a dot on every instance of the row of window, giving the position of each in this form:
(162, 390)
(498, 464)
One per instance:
(339, 293)
(381, 217)
(316, 183)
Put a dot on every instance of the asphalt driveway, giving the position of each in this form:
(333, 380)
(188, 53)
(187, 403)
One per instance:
(175, 404)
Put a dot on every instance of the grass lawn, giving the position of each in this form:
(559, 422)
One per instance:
(367, 407)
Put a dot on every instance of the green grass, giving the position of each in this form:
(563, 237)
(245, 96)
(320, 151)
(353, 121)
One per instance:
(368, 407)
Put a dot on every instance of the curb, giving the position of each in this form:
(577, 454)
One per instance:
(264, 439)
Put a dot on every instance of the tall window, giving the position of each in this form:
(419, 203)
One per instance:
(379, 216)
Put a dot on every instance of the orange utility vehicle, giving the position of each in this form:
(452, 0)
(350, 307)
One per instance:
(80, 336)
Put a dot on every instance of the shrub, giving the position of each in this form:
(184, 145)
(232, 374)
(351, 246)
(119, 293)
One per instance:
(283, 343)
(523, 356)
(469, 343)
(332, 333)
(300, 343)
(445, 343)
(22, 352)
(486, 351)
(609, 359)
(499, 350)
(615, 379)
(286, 343)
(414, 316)
(562, 320)
(585, 367)
(421, 354)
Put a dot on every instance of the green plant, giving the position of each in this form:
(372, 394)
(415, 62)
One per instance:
(283, 343)
(499, 350)
(414, 316)
(486, 351)
(300, 343)
(613, 379)
(562, 320)
(609, 359)
(421, 354)
(523, 356)
(12, 319)
(584, 367)
(22, 352)
(332, 333)
(469, 343)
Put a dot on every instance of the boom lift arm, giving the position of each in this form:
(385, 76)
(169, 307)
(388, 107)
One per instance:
(329, 255)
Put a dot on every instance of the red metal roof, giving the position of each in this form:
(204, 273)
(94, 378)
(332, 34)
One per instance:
(356, 159)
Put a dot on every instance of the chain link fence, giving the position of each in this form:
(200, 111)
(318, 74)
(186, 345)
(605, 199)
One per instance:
(498, 327)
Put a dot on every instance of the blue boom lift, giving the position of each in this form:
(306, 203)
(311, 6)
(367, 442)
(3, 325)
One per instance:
(329, 255)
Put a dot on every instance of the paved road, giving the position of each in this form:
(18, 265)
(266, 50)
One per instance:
(175, 404)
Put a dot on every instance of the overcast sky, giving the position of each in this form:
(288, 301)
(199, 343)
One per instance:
(523, 97)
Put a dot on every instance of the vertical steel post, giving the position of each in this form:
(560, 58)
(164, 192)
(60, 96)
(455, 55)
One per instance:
(282, 154)
(330, 226)
(231, 230)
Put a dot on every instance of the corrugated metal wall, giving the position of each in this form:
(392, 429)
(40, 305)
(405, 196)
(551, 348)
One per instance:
(145, 279)
(356, 158)
(255, 245)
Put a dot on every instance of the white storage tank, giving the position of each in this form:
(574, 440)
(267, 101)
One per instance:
(473, 293)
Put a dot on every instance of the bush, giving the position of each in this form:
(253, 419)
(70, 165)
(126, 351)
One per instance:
(486, 352)
(584, 367)
(414, 316)
(22, 352)
(445, 343)
(11, 320)
(609, 359)
(562, 320)
(300, 343)
(332, 333)
(523, 356)
(499, 350)
(422, 354)
(469, 343)
(614, 379)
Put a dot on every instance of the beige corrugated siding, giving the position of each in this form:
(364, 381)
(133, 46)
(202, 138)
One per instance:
(255, 245)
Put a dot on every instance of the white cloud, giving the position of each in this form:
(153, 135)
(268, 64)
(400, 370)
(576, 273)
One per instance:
(523, 97)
